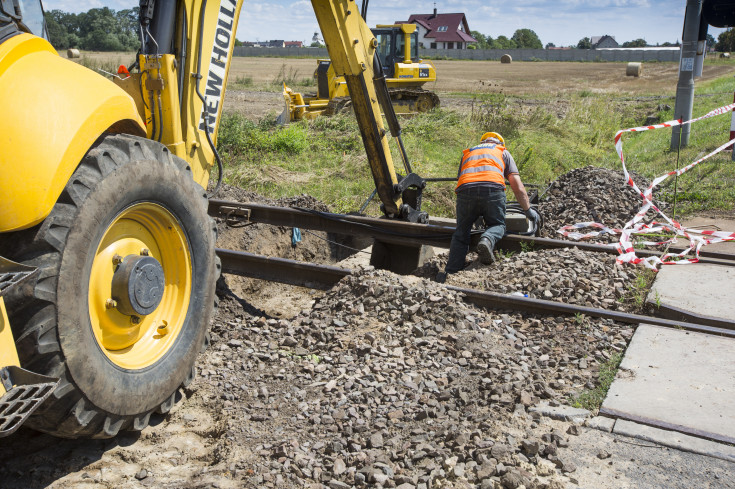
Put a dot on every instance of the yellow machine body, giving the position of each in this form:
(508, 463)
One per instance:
(161, 84)
(49, 96)
(352, 46)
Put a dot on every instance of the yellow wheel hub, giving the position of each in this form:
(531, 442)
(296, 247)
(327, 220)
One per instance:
(134, 341)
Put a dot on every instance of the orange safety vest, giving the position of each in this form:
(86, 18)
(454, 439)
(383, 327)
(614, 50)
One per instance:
(483, 163)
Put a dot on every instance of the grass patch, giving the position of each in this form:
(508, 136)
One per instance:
(637, 291)
(107, 65)
(548, 135)
(243, 81)
(592, 399)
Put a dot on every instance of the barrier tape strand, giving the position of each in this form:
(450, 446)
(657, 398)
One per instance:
(697, 238)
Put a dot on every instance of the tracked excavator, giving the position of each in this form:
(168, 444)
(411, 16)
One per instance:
(405, 73)
(108, 272)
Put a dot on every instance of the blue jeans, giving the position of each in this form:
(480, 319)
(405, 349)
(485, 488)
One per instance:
(471, 204)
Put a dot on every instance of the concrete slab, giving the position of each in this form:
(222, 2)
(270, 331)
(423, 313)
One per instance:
(679, 380)
(712, 224)
(601, 423)
(561, 413)
(701, 288)
(674, 439)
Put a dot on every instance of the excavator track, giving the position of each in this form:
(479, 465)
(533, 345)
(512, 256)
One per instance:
(405, 101)
(414, 100)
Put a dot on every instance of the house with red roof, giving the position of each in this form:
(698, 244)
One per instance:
(441, 31)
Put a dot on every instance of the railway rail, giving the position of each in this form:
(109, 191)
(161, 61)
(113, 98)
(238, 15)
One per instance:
(436, 233)
(324, 277)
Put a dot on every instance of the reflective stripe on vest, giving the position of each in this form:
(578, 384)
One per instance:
(483, 163)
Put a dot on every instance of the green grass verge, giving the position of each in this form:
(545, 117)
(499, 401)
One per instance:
(548, 137)
(592, 399)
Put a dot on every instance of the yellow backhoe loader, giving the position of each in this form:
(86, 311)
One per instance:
(103, 207)
(405, 74)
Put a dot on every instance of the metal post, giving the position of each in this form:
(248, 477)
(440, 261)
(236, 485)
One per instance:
(685, 87)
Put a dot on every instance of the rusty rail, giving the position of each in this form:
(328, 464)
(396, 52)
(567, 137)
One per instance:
(324, 277)
(405, 233)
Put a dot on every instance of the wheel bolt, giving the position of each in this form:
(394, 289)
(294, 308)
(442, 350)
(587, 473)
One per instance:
(110, 304)
(135, 319)
(116, 259)
(145, 252)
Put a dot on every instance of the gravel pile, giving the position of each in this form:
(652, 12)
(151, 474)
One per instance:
(590, 194)
(566, 275)
(391, 381)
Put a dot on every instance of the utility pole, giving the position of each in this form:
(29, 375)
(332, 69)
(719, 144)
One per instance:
(685, 87)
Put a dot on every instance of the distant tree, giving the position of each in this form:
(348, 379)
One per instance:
(316, 44)
(726, 41)
(550, 45)
(238, 42)
(526, 39)
(62, 29)
(100, 29)
(503, 42)
(481, 40)
(638, 43)
(584, 43)
(667, 45)
(710, 41)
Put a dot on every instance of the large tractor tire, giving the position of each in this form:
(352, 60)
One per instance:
(126, 289)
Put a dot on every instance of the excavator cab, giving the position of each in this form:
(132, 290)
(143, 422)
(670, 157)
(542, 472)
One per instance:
(392, 43)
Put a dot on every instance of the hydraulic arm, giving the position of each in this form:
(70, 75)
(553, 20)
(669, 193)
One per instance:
(352, 50)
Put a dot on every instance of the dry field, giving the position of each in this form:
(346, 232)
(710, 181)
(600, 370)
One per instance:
(457, 81)
(519, 78)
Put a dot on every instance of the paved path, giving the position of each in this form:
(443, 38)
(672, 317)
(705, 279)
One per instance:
(678, 387)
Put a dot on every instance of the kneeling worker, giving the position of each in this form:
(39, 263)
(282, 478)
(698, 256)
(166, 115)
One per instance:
(481, 192)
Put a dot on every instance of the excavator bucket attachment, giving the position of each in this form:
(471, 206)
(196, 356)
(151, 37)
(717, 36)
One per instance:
(22, 391)
(297, 107)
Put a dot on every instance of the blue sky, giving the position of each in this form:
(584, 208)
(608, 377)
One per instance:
(562, 22)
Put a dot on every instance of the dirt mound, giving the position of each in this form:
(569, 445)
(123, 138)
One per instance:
(274, 299)
(590, 194)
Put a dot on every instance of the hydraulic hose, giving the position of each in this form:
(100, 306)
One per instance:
(197, 77)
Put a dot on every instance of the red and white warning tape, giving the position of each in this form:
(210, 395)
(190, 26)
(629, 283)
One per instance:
(697, 238)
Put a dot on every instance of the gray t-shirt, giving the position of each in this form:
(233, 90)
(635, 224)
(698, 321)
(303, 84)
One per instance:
(510, 168)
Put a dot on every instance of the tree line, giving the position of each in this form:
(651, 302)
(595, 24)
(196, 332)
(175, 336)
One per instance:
(522, 38)
(527, 39)
(103, 29)
(99, 29)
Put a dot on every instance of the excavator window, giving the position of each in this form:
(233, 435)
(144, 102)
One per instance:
(32, 14)
(386, 49)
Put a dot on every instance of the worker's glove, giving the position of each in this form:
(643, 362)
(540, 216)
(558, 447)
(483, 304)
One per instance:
(532, 215)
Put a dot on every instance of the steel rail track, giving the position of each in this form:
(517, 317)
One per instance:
(324, 277)
(406, 233)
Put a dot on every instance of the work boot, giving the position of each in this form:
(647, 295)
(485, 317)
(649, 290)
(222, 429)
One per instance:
(441, 277)
(485, 251)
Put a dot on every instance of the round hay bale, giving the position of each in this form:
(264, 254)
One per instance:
(506, 58)
(72, 53)
(634, 69)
